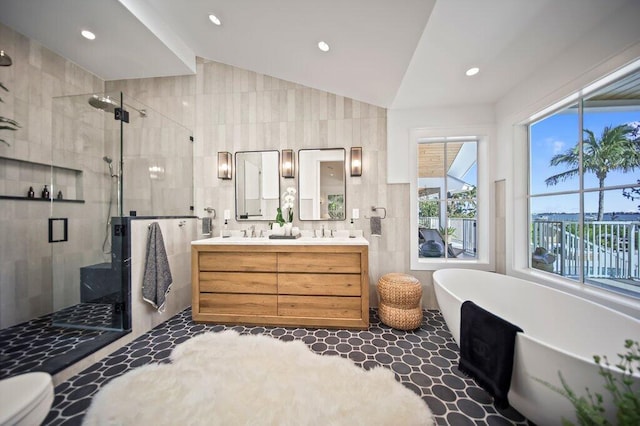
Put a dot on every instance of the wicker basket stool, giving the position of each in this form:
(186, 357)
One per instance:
(399, 297)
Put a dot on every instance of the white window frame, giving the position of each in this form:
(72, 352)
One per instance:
(580, 191)
(518, 254)
(484, 257)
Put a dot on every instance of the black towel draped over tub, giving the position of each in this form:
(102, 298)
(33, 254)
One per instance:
(486, 350)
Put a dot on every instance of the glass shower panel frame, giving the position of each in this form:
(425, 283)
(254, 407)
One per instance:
(111, 156)
(87, 288)
(157, 168)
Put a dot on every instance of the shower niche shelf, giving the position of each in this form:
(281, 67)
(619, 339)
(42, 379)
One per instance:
(19, 175)
(55, 200)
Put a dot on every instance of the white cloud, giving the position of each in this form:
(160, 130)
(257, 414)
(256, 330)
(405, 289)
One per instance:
(554, 145)
(558, 147)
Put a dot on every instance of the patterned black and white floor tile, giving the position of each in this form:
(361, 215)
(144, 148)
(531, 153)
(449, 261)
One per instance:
(424, 360)
(39, 345)
(101, 316)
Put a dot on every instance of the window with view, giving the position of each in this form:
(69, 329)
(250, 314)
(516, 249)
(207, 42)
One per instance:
(584, 189)
(447, 198)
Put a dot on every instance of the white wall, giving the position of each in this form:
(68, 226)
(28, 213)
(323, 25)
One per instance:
(177, 241)
(614, 43)
(400, 123)
(610, 46)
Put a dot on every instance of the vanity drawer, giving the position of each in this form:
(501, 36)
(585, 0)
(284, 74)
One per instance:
(320, 306)
(319, 284)
(238, 304)
(239, 282)
(346, 263)
(239, 262)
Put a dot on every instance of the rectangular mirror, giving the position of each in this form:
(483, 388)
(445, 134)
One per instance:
(257, 185)
(322, 184)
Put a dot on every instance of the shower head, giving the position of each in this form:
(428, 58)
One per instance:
(103, 102)
(106, 104)
(109, 160)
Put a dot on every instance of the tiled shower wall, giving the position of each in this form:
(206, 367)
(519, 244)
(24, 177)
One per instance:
(157, 159)
(233, 109)
(36, 76)
(65, 131)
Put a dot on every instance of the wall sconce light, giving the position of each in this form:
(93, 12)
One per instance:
(356, 161)
(224, 165)
(288, 164)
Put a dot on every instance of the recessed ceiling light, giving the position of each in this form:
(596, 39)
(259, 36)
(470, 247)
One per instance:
(472, 71)
(213, 18)
(88, 35)
(323, 46)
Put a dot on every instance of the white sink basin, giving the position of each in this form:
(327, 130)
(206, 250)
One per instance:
(268, 241)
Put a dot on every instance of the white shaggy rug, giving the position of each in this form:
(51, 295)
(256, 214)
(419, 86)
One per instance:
(227, 379)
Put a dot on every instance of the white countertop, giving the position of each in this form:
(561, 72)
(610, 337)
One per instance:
(311, 241)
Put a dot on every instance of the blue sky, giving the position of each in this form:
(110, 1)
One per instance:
(558, 133)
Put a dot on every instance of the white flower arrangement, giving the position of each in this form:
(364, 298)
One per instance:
(289, 197)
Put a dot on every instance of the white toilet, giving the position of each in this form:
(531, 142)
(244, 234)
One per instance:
(25, 399)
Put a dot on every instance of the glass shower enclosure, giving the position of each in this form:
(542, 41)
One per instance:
(112, 156)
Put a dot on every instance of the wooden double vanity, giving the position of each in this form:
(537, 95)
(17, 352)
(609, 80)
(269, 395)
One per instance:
(310, 282)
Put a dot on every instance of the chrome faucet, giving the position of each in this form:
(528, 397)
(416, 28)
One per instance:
(253, 231)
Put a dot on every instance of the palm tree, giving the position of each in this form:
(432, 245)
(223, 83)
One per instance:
(614, 150)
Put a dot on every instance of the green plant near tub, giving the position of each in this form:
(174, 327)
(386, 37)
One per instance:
(625, 391)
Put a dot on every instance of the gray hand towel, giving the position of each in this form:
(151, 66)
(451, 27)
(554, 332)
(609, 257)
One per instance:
(376, 226)
(207, 225)
(157, 279)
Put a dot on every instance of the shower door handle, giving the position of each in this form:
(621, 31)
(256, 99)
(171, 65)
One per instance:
(58, 229)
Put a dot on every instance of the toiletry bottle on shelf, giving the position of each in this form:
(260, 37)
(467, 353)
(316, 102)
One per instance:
(45, 192)
(31, 194)
(59, 196)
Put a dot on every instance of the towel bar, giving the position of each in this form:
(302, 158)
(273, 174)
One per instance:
(180, 224)
(374, 208)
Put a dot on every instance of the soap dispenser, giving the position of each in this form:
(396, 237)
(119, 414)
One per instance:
(352, 234)
(45, 192)
(224, 233)
(31, 194)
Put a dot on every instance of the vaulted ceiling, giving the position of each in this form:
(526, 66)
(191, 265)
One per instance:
(394, 54)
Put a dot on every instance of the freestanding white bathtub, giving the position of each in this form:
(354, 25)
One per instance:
(561, 333)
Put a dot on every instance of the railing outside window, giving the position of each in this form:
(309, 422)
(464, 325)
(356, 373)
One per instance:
(465, 236)
(611, 249)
